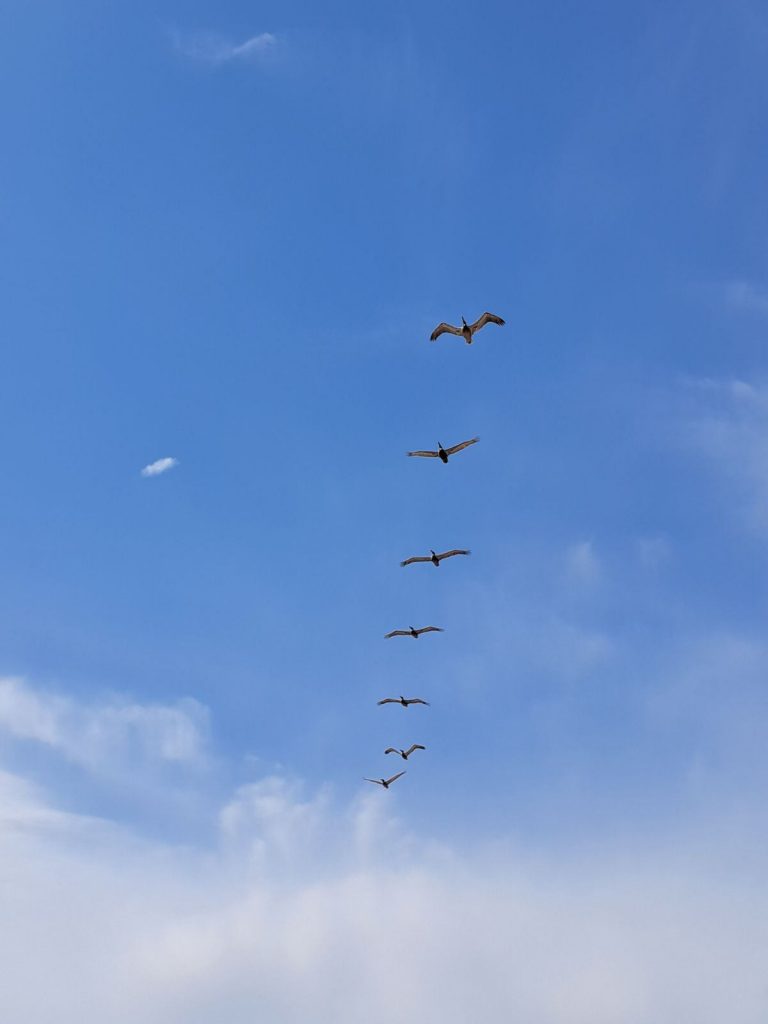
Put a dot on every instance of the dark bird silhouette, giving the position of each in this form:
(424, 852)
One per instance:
(466, 331)
(405, 701)
(386, 783)
(434, 558)
(444, 453)
(405, 754)
(415, 633)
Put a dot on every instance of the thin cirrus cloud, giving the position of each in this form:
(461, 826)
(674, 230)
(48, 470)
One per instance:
(214, 49)
(159, 466)
(747, 297)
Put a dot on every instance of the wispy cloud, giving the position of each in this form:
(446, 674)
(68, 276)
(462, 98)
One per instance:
(582, 563)
(106, 734)
(747, 297)
(160, 466)
(215, 49)
(730, 426)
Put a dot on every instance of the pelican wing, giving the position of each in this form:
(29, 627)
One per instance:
(414, 746)
(389, 700)
(486, 318)
(450, 554)
(394, 778)
(391, 750)
(416, 558)
(462, 446)
(429, 629)
(376, 782)
(444, 328)
(415, 700)
(396, 632)
(424, 455)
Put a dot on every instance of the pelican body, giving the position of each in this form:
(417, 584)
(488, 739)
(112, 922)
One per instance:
(405, 701)
(405, 754)
(386, 783)
(411, 631)
(466, 331)
(444, 453)
(433, 556)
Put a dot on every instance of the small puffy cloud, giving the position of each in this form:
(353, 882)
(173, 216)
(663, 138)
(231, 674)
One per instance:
(215, 49)
(160, 466)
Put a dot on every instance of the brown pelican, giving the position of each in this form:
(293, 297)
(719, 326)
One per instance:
(466, 330)
(415, 633)
(434, 558)
(444, 453)
(405, 701)
(405, 754)
(386, 783)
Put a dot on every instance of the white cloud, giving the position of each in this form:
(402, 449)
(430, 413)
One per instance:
(160, 466)
(214, 49)
(320, 923)
(107, 734)
(297, 907)
(747, 297)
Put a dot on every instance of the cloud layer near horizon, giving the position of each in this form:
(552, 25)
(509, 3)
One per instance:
(302, 912)
(297, 907)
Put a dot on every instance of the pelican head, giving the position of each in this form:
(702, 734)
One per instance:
(464, 322)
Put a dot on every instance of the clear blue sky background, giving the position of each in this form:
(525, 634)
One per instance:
(236, 259)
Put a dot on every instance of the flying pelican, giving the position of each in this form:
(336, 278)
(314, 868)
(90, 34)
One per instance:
(415, 633)
(434, 558)
(405, 701)
(444, 453)
(405, 754)
(386, 783)
(466, 330)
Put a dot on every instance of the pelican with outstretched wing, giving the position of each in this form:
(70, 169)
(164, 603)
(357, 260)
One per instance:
(386, 783)
(415, 633)
(434, 558)
(466, 331)
(405, 754)
(444, 453)
(405, 701)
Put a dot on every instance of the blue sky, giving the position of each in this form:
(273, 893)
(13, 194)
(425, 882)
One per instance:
(230, 229)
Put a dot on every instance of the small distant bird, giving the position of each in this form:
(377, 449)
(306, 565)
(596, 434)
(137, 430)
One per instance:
(444, 453)
(415, 633)
(466, 330)
(386, 783)
(405, 754)
(405, 701)
(434, 558)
